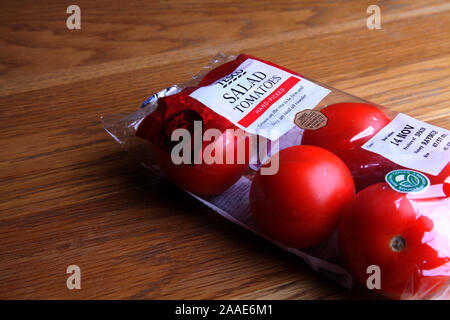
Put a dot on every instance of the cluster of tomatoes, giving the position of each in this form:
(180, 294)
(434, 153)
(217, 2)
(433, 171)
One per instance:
(330, 183)
(313, 194)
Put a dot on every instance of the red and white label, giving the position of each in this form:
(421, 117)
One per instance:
(261, 98)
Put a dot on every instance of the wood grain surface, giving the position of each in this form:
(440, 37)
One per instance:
(70, 195)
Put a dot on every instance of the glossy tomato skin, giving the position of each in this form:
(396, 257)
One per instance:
(367, 168)
(405, 235)
(349, 126)
(208, 179)
(300, 204)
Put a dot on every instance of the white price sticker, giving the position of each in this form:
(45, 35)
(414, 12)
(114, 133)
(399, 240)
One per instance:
(413, 144)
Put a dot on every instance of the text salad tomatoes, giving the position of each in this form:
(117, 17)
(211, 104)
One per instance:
(299, 206)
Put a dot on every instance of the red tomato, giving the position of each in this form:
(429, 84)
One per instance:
(349, 126)
(405, 236)
(208, 179)
(300, 204)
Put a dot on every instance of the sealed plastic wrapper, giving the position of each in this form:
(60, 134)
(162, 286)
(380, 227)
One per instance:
(360, 192)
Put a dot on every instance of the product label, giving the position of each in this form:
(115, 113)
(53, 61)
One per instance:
(407, 181)
(260, 98)
(413, 144)
(310, 119)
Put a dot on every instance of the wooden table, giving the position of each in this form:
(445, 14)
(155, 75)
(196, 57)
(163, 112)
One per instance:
(70, 195)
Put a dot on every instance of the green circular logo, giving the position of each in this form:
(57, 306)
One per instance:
(407, 181)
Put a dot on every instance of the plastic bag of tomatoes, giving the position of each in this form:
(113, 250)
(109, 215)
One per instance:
(361, 193)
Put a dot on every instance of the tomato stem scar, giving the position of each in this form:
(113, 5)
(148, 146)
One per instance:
(398, 243)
